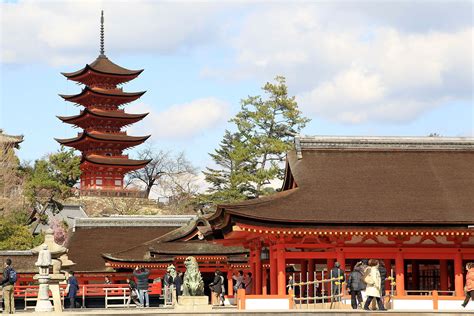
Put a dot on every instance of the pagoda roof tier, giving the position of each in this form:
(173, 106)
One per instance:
(98, 96)
(103, 70)
(83, 140)
(381, 181)
(114, 161)
(92, 117)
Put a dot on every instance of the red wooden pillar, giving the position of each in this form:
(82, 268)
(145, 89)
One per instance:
(264, 281)
(443, 275)
(458, 275)
(258, 271)
(281, 266)
(341, 258)
(252, 269)
(273, 271)
(330, 264)
(400, 278)
(230, 283)
(311, 277)
(388, 266)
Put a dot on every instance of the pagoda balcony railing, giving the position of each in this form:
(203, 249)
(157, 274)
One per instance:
(113, 193)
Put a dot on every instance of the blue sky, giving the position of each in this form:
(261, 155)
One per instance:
(356, 68)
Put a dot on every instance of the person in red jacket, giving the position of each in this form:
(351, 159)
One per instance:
(469, 283)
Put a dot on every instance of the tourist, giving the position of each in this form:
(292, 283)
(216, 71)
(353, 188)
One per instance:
(141, 274)
(107, 280)
(356, 285)
(248, 283)
(178, 284)
(133, 292)
(469, 283)
(216, 289)
(239, 281)
(168, 287)
(337, 274)
(383, 276)
(372, 279)
(223, 288)
(72, 288)
(290, 284)
(8, 284)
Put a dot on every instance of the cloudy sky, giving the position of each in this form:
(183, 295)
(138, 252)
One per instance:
(356, 67)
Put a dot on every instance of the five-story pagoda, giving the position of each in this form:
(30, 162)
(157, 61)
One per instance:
(102, 140)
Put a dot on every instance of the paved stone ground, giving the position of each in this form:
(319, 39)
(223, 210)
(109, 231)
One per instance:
(227, 311)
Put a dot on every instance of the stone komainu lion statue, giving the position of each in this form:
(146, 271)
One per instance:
(193, 285)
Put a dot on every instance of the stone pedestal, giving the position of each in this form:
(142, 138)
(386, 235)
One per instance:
(43, 304)
(193, 303)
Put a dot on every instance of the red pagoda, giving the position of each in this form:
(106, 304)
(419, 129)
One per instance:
(102, 140)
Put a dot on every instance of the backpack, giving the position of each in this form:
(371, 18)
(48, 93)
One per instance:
(12, 276)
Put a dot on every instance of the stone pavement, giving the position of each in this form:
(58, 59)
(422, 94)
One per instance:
(227, 311)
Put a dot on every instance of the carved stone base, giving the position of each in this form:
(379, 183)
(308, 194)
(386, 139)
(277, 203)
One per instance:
(193, 303)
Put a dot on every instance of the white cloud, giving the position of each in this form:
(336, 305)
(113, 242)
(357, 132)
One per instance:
(181, 120)
(357, 71)
(65, 32)
(346, 61)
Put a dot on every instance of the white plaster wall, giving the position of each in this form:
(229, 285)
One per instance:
(455, 305)
(413, 305)
(276, 303)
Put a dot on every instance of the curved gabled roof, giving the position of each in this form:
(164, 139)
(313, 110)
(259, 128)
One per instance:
(369, 181)
(102, 92)
(104, 137)
(103, 114)
(103, 65)
(115, 161)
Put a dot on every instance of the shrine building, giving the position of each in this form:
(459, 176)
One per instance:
(102, 139)
(408, 201)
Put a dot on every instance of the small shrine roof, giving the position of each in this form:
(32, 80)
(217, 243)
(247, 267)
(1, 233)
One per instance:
(106, 160)
(103, 65)
(86, 244)
(368, 181)
(10, 139)
(104, 114)
(195, 247)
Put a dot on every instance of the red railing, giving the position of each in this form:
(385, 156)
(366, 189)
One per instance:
(85, 290)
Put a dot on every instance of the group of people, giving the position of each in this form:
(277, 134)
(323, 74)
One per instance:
(218, 285)
(367, 276)
(173, 286)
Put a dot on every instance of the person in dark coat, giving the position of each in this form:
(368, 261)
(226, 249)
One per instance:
(355, 284)
(141, 274)
(8, 287)
(178, 283)
(216, 288)
(383, 276)
(72, 288)
(133, 292)
(337, 272)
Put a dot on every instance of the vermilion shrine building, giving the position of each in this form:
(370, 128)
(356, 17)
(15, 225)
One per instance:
(407, 201)
(102, 140)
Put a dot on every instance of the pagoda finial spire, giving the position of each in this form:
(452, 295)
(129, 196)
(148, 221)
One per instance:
(102, 51)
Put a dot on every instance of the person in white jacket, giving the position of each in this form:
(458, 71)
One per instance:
(373, 281)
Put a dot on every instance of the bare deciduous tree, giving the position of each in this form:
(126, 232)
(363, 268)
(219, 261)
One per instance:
(163, 164)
